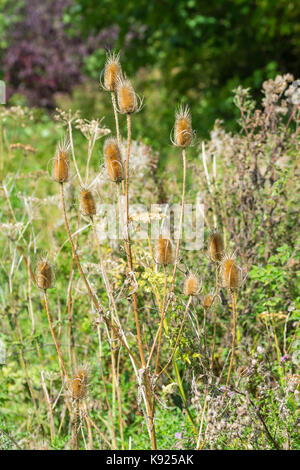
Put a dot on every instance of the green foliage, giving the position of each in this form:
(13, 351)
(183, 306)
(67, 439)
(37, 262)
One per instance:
(204, 49)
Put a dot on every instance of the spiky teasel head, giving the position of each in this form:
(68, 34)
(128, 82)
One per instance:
(87, 202)
(44, 274)
(61, 162)
(216, 247)
(230, 272)
(79, 384)
(183, 132)
(191, 285)
(113, 160)
(128, 101)
(164, 251)
(207, 301)
(112, 71)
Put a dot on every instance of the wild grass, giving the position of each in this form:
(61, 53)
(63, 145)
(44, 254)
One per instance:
(129, 343)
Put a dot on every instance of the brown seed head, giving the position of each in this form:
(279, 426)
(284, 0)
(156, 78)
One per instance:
(61, 163)
(44, 275)
(87, 202)
(79, 385)
(127, 99)
(216, 247)
(164, 253)
(113, 160)
(112, 71)
(207, 301)
(183, 132)
(191, 285)
(231, 277)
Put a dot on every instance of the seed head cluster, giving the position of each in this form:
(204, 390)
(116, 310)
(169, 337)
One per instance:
(164, 251)
(113, 160)
(87, 202)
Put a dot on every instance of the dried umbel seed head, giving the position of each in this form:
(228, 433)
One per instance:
(44, 275)
(87, 202)
(79, 385)
(191, 285)
(216, 247)
(164, 251)
(113, 160)
(183, 132)
(127, 98)
(112, 71)
(61, 163)
(207, 301)
(231, 273)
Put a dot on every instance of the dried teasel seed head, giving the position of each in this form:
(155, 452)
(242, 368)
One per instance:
(113, 160)
(112, 71)
(216, 247)
(87, 202)
(183, 132)
(127, 99)
(164, 251)
(191, 285)
(61, 163)
(79, 385)
(231, 273)
(207, 301)
(44, 274)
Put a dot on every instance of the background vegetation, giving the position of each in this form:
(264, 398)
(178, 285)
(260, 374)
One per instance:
(245, 166)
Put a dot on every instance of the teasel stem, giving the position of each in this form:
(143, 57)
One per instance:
(88, 425)
(234, 317)
(75, 423)
(62, 367)
(103, 378)
(75, 255)
(91, 145)
(161, 321)
(215, 319)
(114, 104)
(149, 407)
(178, 336)
(159, 330)
(181, 218)
(49, 406)
(99, 431)
(113, 336)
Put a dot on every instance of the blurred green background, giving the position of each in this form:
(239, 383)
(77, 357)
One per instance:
(190, 51)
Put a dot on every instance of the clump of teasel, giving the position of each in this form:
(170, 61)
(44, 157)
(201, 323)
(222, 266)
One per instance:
(191, 285)
(61, 163)
(216, 247)
(44, 276)
(128, 101)
(112, 71)
(80, 385)
(113, 160)
(183, 132)
(230, 272)
(164, 251)
(87, 202)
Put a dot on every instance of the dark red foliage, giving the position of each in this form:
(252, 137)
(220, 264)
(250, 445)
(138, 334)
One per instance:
(43, 58)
